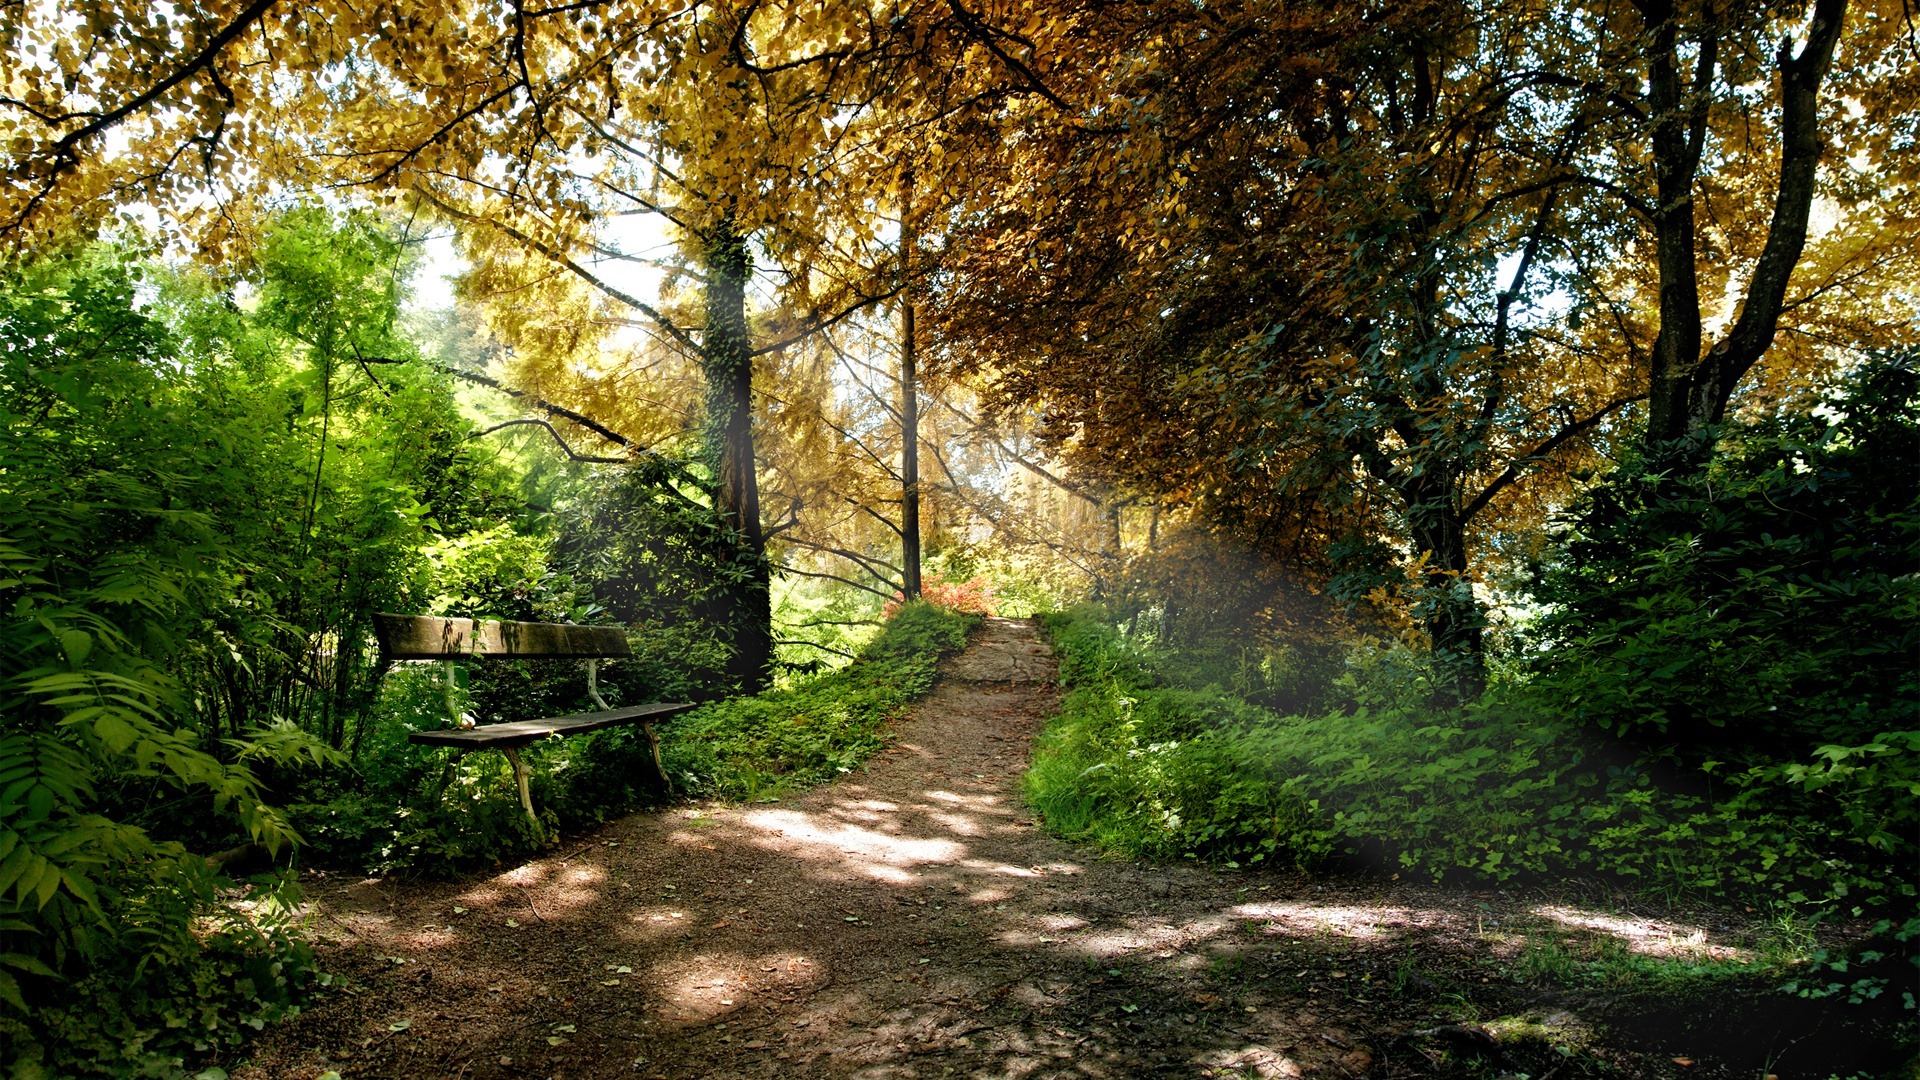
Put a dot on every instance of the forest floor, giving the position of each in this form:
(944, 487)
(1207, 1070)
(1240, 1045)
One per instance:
(912, 920)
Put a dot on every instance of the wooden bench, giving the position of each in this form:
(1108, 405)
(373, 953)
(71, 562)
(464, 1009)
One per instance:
(421, 637)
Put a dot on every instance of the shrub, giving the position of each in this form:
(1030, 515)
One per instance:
(1132, 764)
(201, 504)
(1501, 789)
(975, 596)
(177, 962)
(787, 739)
(1759, 609)
(110, 588)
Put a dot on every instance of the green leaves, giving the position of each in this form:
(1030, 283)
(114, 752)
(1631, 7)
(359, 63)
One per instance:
(1509, 788)
(1762, 607)
(781, 740)
(182, 561)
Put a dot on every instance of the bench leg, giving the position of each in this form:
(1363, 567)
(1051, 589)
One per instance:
(659, 770)
(520, 781)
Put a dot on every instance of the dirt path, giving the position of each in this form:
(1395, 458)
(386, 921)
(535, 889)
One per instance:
(909, 921)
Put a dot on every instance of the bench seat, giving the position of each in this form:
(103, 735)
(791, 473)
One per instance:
(525, 732)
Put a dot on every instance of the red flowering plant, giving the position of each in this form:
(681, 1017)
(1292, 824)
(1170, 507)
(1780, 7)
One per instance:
(972, 597)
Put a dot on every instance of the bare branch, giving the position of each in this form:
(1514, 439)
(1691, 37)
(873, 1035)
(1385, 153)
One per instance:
(832, 577)
(549, 429)
(816, 325)
(864, 562)
(1541, 452)
(815, 645)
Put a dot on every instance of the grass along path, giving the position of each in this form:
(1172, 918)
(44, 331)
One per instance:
(913, 921)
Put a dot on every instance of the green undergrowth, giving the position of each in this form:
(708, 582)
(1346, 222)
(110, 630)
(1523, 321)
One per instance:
(788, 739)
(178, 962)
(1139, 763)
(1606, 962)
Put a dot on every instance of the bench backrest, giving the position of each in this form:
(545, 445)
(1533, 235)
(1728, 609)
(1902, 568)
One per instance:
(423, 637)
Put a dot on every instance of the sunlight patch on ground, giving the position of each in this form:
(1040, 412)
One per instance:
(1045, 930)
(536, 891)
(1062, 922)
(532, 873)
(1359, 923)
(574, 890)
(876, 854)
(959, 824)
(1258, 1060)
(1648, 937)
(1005, 869)
(710, 987)
(364, 923)
(992, 805)
(483, 896)
(1160, 939)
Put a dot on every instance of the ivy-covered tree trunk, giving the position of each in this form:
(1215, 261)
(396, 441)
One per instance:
(726, 355)
(1447, 608)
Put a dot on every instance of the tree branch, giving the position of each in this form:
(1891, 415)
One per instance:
(816, 325)
(832, 577)
(1552, 443)
(673, 468)
(815, 645)
(561, 258)
(1800, 78)
(65, 156)
(864, 562)
(985, 35)
(551, 430)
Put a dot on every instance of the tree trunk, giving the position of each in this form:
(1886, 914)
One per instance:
(726, 356)
(1679, 129)
(909, 406)
(1688, 393)
(1447, 608)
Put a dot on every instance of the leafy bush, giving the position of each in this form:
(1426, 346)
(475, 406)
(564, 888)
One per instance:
(184, 964)
(201, 504)
(109, 584)
(1499, 790)
(501, 572)
(1136, 765)
(974, 596)
(1757, 610)
(786, 739)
